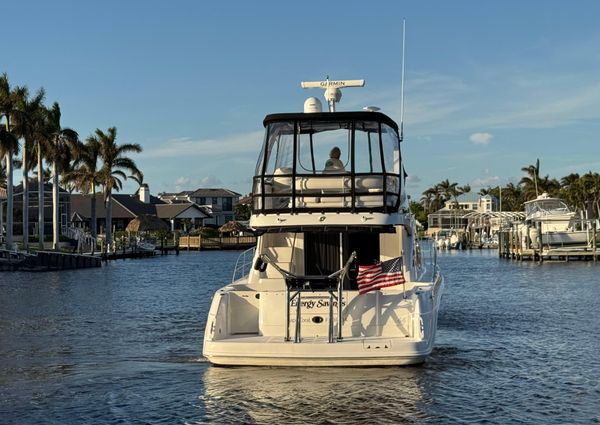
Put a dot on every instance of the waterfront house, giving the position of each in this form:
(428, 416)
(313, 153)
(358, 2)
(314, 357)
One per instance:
(453, 216)
(220, 202)
(180, 216)
(64, 208)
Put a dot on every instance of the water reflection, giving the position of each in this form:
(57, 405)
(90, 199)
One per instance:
(312, 395)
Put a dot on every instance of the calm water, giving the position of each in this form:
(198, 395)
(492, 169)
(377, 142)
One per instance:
(517, 343)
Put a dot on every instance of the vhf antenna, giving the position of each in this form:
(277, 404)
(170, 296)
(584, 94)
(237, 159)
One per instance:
(402, 84)
(333, 94)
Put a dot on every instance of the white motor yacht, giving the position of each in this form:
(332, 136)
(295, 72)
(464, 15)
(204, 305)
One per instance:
(337, 277)
(558, 225)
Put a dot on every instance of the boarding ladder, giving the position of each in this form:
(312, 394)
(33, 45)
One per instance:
(296, 285)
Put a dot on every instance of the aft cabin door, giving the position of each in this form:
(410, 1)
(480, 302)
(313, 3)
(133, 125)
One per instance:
(322, 254)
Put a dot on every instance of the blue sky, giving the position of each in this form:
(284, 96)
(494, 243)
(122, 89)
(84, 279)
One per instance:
(490, 86)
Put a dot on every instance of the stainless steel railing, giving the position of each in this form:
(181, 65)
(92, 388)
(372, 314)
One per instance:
(294, 287)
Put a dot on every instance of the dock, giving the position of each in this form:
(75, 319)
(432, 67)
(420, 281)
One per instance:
(200, 243)
(514, 245)
(45, 261)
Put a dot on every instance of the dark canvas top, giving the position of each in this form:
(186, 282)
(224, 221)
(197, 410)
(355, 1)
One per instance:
(332, 116)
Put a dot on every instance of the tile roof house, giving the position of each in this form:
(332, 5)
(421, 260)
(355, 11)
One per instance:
(220, 202)
(180, 216)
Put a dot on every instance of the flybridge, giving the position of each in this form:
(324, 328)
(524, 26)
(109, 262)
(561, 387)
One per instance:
(333, 94)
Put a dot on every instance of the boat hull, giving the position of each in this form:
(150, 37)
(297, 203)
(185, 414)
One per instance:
(350, 353)
(387, 348)
(565, 238)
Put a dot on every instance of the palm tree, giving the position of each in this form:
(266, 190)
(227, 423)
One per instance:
(114, 165)
(432, 199)
(530, 182)
(448, 190)
(568, 180)
(28, 125)
(548, 185)
(463, 189)
(587, 191)
(427, 199)
(512, 197)
(63, 142)
(86, 175)
(9, 146)
(485, 191)
(43, 149)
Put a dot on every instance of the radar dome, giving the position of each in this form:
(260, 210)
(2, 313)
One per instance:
(312, 104)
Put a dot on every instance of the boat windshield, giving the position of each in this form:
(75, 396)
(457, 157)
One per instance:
(546, 207)
(328, 165)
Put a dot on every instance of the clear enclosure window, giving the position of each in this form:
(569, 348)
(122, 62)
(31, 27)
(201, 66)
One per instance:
(280, 148)
(367, 156)
(316, 142)
(391, 149)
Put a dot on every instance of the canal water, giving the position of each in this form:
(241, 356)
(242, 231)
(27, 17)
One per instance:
(517, 343)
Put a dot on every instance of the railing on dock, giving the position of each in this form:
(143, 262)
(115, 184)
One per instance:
(84, 240)
(223, 242)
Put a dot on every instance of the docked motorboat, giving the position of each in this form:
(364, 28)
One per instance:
(557, 224)
(337, 277)
(144, 245)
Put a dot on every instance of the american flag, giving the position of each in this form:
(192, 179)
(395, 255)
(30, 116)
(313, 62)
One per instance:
(381, 275)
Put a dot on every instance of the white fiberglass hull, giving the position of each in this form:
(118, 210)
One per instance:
(405, 335)
(348, 352)
(566, 238)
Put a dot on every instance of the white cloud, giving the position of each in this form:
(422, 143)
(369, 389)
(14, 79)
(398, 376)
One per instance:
(193, 183)
(182, 181)
(481, 138)
(487, 181)
(210, 181)
(413, 179)
(230, 145)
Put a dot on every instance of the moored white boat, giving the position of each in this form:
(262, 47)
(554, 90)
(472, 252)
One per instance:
(337, 277)
(556, 223)
(144, 245)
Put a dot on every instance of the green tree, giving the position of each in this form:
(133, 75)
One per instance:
(432, 199)
(112, 172)
(512, 198)
(447, 190)
(63, 142)
(418, 210)
(9, 146)
(29, 125)
(86, 174)
(529, 183)
(568, 180)
(242, 212)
